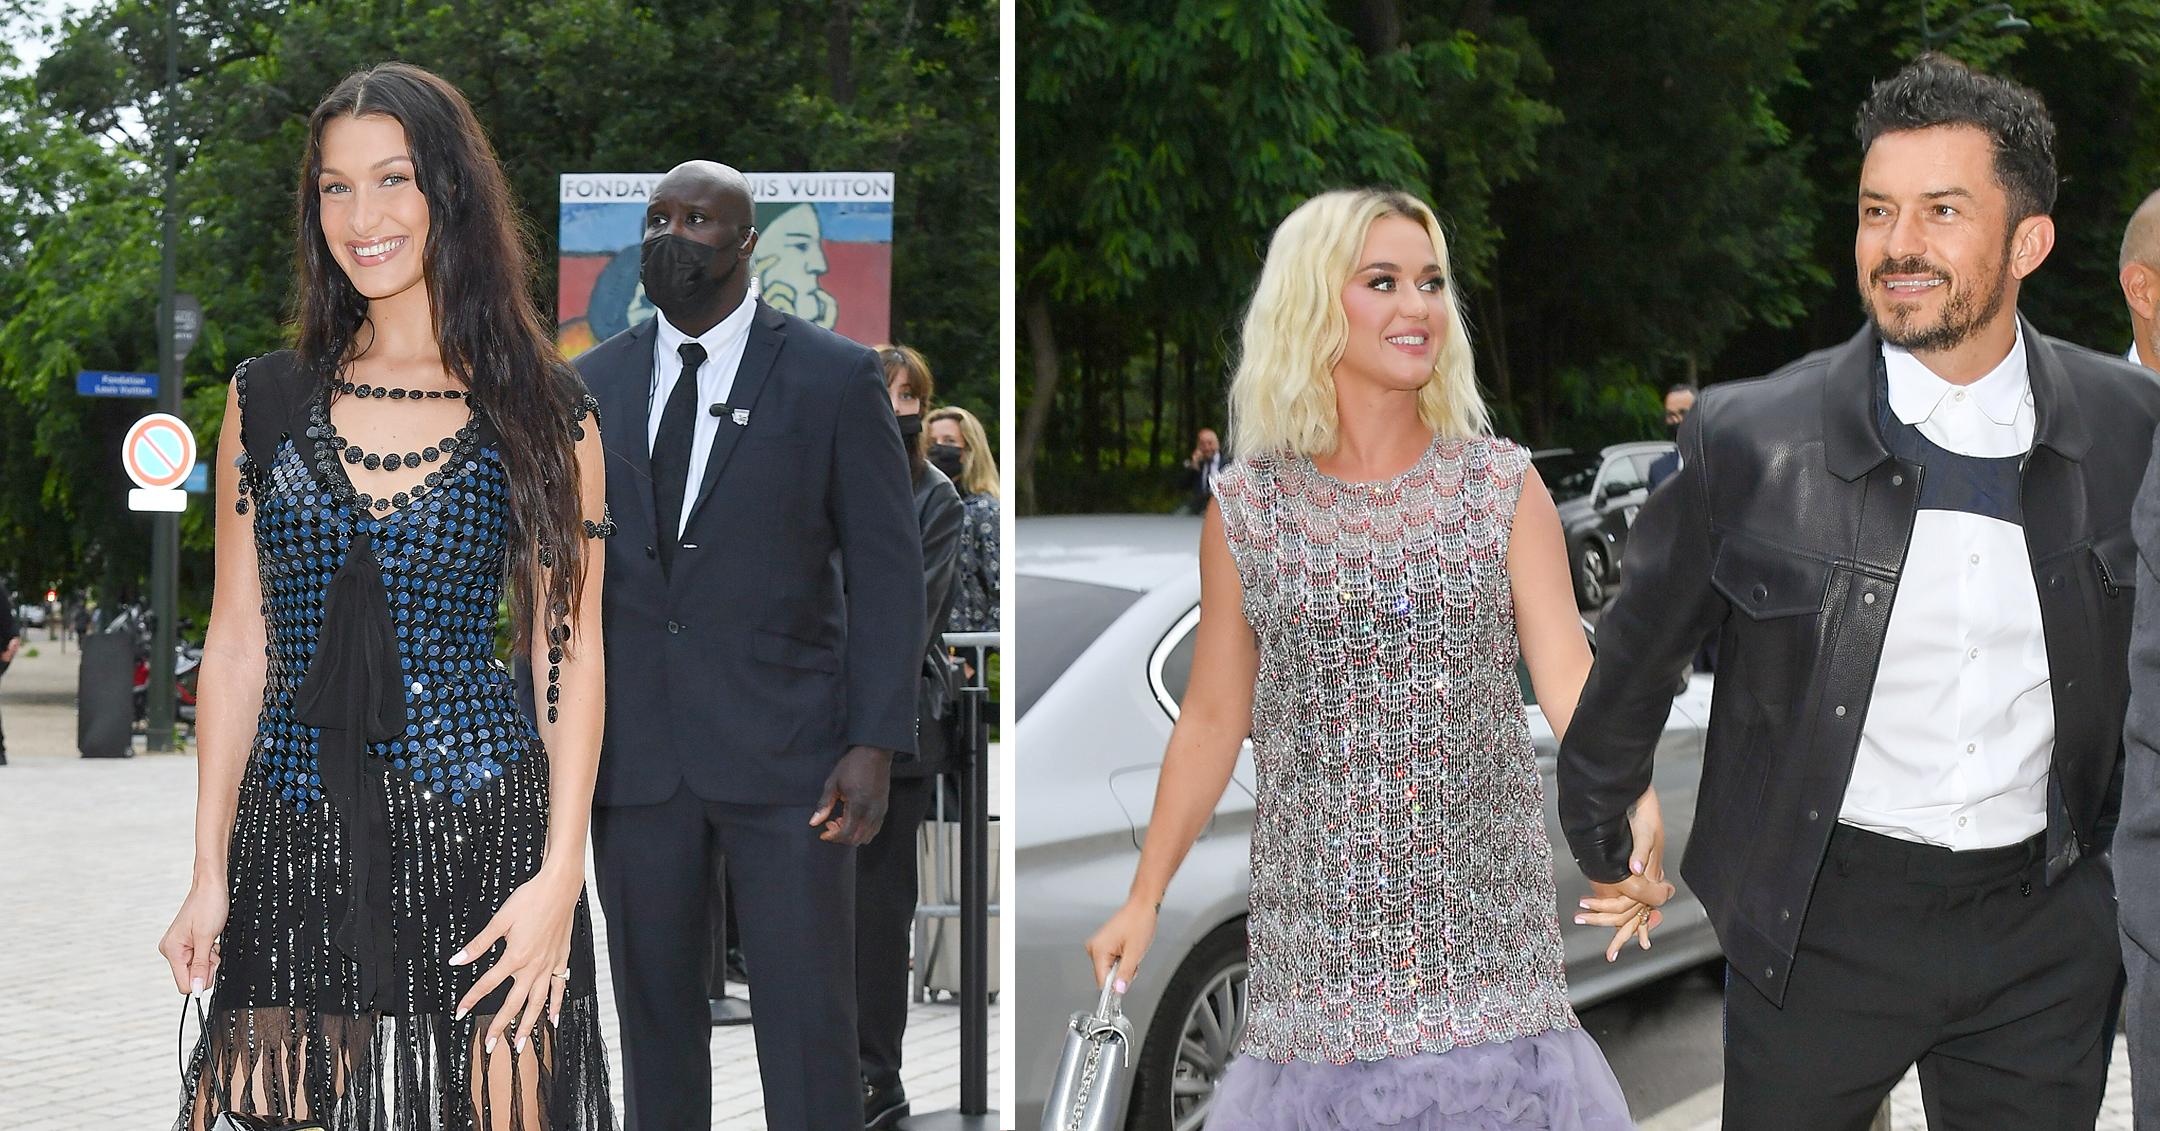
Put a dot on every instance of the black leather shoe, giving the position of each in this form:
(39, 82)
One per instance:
(883, 1108)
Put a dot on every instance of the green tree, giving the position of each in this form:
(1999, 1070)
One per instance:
(1159, 143)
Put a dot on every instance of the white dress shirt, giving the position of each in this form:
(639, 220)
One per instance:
(1961, 727)
(716, 378)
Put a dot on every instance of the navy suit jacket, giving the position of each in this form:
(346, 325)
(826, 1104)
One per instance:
(791, 626)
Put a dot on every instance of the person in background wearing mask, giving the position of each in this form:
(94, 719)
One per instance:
(885, 885)
(764, 629)
(1679, 400)
(961, 449)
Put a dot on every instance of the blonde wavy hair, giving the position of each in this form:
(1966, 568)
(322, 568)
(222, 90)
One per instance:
(1282, 397)
(979, 470)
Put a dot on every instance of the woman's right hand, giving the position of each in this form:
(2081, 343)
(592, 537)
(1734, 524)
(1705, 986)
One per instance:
(1123, 940)
(190, 944)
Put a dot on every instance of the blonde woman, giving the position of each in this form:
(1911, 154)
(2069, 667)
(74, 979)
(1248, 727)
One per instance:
(961, 449)
(1370, 566)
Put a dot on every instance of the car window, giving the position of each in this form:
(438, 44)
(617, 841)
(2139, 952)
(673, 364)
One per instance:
(1062, 619)
(1622, 477)
(1645, 461)
(1567, 475)
(1177, 661)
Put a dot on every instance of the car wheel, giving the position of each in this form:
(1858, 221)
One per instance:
(1195, 1033)
(1590, 571)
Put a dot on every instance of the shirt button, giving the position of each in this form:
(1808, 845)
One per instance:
(1972, 747)
(1812, 814)
(1867, 598)
(1974, 559)
(1897, 481)
(1973, 655)
(1841, 710)
(1961, 822)
(1961, 394)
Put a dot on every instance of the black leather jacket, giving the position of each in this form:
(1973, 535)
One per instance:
(1785, 532)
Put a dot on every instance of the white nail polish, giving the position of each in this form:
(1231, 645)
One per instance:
(458, 959)
(197, 986)
(490, 1044)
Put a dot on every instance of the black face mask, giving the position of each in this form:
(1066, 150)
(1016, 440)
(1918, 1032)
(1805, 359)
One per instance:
(678, 274)
(950, 459)
(910, 427)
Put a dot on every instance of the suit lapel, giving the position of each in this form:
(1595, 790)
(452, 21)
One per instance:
(767, 335)
(632, 384)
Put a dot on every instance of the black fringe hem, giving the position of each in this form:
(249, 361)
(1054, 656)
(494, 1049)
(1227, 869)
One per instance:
(412, 1073)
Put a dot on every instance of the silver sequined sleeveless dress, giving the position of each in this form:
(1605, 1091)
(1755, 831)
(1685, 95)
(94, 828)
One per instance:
(1405, 965)
(394, 796)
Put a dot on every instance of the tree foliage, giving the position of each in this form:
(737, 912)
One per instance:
(1636, 194)
(561, 85)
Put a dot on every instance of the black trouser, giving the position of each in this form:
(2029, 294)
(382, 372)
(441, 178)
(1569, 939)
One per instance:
(885, 888)
(3, 734)
(1966, 963)
(795, 898)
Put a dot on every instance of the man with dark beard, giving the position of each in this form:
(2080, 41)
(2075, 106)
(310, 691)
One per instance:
(1915, 550)
(764, 623)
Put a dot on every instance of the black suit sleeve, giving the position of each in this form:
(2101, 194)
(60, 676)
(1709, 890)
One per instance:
(873, 510)
(1646, 638)
(942, 517)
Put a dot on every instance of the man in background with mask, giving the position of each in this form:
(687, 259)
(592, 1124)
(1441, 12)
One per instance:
(763, 617)
(1679, 400)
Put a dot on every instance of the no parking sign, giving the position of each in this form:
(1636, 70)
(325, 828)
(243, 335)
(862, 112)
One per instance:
(158, 454)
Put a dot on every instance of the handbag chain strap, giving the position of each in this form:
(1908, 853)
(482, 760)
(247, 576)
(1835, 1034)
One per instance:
(1105, 1009)
(1086, 1090)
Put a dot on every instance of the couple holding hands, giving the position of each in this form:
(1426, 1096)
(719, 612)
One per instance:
(1918, 554)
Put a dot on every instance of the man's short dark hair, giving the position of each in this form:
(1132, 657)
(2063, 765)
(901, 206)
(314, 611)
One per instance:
(1936, 90)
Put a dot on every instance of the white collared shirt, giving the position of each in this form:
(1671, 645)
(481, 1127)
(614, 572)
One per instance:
(1961, 728)
(724, 345)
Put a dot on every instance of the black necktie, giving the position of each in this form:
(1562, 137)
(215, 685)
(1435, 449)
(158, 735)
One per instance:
(671, 452)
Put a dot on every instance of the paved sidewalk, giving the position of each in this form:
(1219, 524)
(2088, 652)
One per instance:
(94, 859)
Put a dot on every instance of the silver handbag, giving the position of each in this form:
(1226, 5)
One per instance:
(1088, 1093)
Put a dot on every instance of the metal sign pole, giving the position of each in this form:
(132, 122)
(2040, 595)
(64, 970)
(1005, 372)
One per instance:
(974, 1111)
(165, 527)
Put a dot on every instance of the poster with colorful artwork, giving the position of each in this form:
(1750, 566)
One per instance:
(824, 252)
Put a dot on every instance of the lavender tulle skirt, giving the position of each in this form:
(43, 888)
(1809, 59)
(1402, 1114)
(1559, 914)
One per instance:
(1551, 1081)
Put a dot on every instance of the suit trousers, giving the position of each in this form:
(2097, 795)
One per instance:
(795, 901)
(1966, 963)
(885, 890)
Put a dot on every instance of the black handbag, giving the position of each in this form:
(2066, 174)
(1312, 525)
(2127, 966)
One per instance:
(229, 1120)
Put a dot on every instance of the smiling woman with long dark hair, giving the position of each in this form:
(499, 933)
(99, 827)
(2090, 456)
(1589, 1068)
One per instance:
(389, 866)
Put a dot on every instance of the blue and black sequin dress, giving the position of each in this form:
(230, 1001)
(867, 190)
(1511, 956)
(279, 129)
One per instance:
(394, 797)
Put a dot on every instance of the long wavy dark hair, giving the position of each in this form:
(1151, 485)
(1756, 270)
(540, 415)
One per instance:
(477, 266)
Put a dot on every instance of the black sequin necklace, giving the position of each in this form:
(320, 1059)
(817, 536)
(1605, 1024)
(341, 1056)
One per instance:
(380, 391)
(327, 444)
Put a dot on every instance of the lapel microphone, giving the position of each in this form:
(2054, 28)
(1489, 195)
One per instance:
(741, 416)
(720, 409)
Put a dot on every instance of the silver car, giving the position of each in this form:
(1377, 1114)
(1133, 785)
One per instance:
(1108, 605)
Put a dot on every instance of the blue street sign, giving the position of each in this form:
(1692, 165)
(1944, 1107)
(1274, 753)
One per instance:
(198, 480)
(104, 383)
